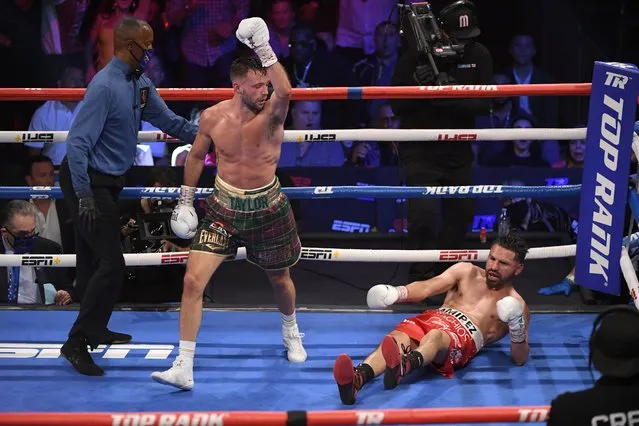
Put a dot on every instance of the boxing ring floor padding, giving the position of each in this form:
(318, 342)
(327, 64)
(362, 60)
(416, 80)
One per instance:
(241, 365)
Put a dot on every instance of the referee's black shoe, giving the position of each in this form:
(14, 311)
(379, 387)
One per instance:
(76, 351)
(114, 338)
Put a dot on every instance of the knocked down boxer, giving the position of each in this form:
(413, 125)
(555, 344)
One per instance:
(481, 307)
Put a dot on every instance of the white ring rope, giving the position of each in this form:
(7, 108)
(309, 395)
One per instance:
(308, 253)
(381, 135)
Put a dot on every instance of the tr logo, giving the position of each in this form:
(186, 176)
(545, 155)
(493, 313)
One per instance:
(370, 418)
(533, 415)
(617, 81)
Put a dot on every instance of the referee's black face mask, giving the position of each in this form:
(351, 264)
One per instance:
(142, 62)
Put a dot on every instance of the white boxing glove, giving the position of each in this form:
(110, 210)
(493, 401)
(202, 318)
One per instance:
(382, 296)
(511, 311)
(184, 219)
(253, 32)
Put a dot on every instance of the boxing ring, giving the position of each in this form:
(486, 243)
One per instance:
(242, 375)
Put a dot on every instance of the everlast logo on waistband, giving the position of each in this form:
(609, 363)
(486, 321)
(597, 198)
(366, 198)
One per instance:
(249, 204)
(214, 238)
(462, 318)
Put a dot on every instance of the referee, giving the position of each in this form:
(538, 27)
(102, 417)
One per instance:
(101, 148)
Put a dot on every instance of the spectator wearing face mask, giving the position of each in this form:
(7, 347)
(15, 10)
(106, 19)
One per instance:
(30, 284)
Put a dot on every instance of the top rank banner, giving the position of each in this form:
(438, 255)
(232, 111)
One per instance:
(611, 123)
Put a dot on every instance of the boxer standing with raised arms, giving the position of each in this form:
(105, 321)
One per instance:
(247, 207)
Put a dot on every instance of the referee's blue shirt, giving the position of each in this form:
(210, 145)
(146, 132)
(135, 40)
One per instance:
(104, 134)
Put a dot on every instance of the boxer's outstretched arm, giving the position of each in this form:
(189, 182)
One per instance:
(195, 160)
(447, 280)
(157, 113)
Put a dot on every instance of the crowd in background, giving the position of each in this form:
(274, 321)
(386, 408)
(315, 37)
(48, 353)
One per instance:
(343, 43)
(329, 43)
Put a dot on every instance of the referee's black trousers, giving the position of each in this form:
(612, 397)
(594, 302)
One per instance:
(100, 269)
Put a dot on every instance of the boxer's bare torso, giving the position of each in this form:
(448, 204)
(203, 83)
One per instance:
(473, 297)
(247, 149)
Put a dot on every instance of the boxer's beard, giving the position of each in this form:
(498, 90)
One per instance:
(254, 107)
(493, 281)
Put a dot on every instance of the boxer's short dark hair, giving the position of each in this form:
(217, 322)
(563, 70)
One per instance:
(242, 65)
(514, 243)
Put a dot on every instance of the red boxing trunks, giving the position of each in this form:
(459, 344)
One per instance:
(465, 337)
(259, 219)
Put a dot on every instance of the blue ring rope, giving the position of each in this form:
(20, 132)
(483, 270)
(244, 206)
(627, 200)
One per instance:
(330, 192)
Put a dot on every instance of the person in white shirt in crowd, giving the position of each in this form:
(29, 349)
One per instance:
(53, 220)
(28, 284)
(57, 115)
(307, 115)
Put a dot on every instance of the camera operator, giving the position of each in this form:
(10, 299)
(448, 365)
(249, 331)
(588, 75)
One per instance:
(440, 163)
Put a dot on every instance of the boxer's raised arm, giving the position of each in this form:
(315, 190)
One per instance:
(281, 96)
(254, 33)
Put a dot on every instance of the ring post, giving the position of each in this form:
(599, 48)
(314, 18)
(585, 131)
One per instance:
(611, 123)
